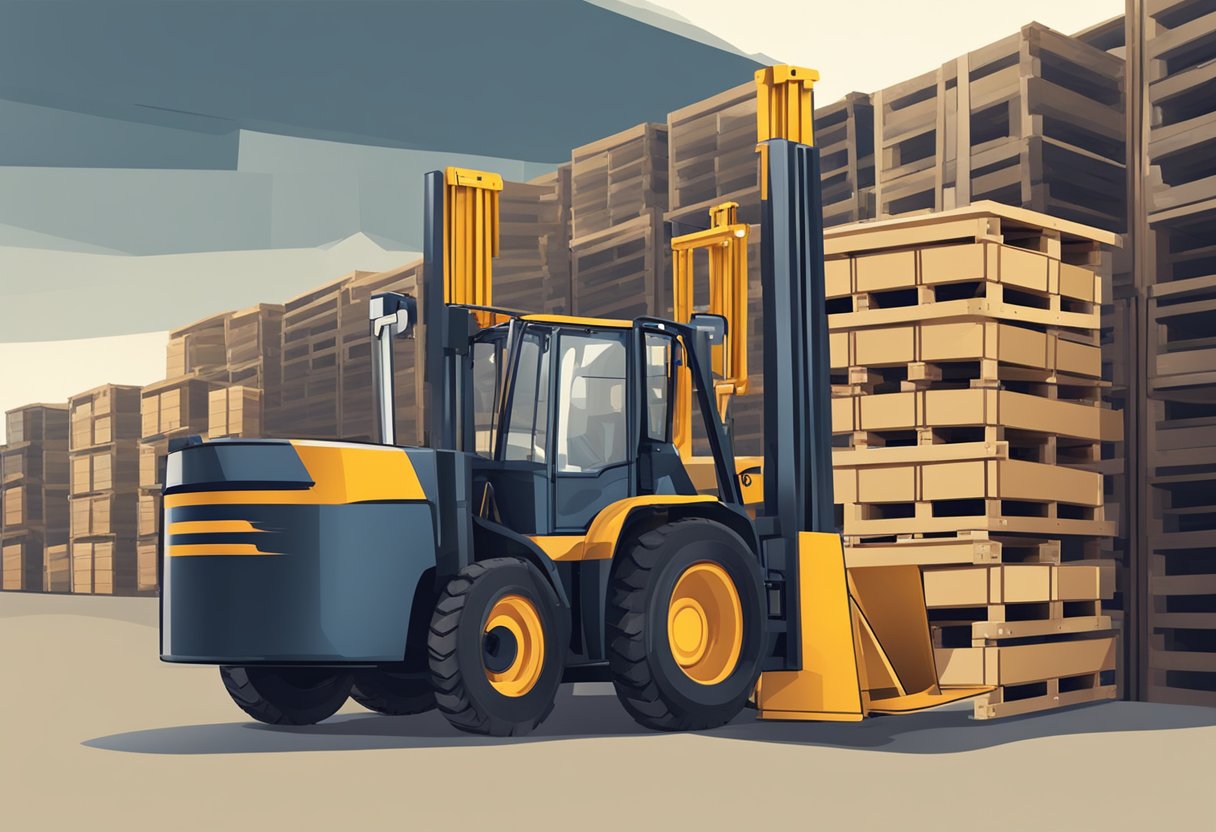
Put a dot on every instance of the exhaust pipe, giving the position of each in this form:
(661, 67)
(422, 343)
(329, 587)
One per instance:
(391, 315)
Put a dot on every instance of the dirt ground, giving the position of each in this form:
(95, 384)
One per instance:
(97, 734)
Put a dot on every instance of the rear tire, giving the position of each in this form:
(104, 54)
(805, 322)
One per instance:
(497, 648)
(392, 693)
(685, 625)
(286, 695)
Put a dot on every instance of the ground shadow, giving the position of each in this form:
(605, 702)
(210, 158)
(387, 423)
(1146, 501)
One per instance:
(946, 730)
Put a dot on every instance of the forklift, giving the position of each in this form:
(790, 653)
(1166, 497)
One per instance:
(551, 531)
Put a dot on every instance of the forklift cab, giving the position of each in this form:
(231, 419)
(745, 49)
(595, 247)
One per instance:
(571, 416)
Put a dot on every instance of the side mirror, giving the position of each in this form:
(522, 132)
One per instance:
(393, 310)
(709, 331)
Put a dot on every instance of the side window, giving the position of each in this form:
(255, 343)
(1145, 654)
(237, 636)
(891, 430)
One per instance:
(660, 383)
(591, 421)
(528, 425)
(487, 387)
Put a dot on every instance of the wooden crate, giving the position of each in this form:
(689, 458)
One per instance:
(1180, 43)
(175, 405)
(147, 566)
(45, 423)
(114, 467)
(23, 506)
(253, 334)
(234, 411)
(21, 556)
(104, 514)
(619, 178)
(57, 568)
(556, 240)
(105, 566)
(533, 246)
(36, 462)
(968, 486)
(1032, 677)
(624, 272)
(199, 349)
(152, 456)
(149, 514)
(110, 413)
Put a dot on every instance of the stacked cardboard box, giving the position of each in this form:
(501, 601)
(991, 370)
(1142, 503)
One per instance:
(104, 462)
(969, 417)
(33, 496)
(1179, 405)
(1035, 120)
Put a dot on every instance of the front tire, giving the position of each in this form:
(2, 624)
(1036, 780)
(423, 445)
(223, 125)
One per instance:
(496, 648)
(685, 625)
(286, 695)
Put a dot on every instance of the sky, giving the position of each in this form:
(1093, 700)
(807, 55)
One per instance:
(865, 45)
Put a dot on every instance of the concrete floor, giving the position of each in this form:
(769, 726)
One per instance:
(95, 731)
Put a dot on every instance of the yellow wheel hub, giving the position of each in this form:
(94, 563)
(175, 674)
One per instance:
(517, 616)
(705, 623)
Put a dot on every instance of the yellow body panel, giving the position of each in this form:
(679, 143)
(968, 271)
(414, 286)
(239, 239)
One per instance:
(704, 476)
(341, 473)
(599, 543)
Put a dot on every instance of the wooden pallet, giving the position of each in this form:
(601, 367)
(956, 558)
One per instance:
(943, 415)
(950, 548)
(44, 423)
(984, 279)
(21, 555)
(1182, 315)
(619, 178)
(175, 404)
(147, 565)
(114, 466)
(623, 272)
(844, 133)
(969, 486)
(1180, 43)
(1032, 677)
(199, 349)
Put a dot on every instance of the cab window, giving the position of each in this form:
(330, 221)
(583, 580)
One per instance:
(591, 418)
(528, 421)
(660, 386)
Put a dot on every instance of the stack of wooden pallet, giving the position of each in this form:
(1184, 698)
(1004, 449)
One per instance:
(1035, 120)
(555, 242)
(33, 494)
(253, 341)
(311, 362)
(104, 461)
(170, 409)
(620, 251)
(1180, 411)
(713, 158)
(199, 349)
(969, 416)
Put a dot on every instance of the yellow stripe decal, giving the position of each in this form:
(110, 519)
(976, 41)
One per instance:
(211, 526)
(199, 549)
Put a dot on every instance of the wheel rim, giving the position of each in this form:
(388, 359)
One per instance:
(705, 623)
(513, 646)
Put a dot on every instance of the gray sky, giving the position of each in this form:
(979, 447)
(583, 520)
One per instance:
(866, 45)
